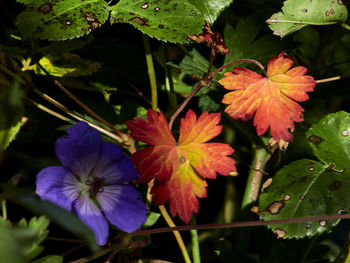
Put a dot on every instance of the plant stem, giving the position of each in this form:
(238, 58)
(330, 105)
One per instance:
(195, 246)
(328, 79)
(183, 105)
(260, 158)
(151, 72)
(239, 224)
(120, 134)
(239, 61)
(176, 234)
(169, 85)
(4, 209)
(346, 26)
(43, 108)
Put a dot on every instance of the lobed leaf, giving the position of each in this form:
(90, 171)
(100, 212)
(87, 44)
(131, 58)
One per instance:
(297, 14)
(273, 99)
(60, 20)
(211, 9)
(180, 169)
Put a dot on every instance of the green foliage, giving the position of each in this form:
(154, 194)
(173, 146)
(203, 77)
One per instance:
(243, 42)
(169, 21)
(307, 188)
(8, 135)
(210, 8)
(297, 14)
(60, 20)
(49, 259)
(62, 217)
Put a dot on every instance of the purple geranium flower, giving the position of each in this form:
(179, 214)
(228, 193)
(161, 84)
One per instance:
(93, 178)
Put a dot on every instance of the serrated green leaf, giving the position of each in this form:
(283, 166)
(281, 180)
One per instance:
(62, 217)
(310, 188)
(297, 14)
(330, 140)
(166, 20)
(61, 20)
(8, 135)
(242, 42)
(49, 259)
(301, 189)
(194, 64)
(211, 9)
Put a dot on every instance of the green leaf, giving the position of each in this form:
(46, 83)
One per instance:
(297, 14)
(60, 20)
(194, 64)
(151, 219)
(62, 217)
(10, 251)
(211, 9)
(166, 20)
(49, 259)
(67, 65)
(242, 42)
(330, 140)
(8, 135)
(310, 188)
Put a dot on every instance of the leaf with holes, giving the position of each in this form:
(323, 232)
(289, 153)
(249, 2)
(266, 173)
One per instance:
(273, 99)
(60, 20)
(180, 168)
(166, 20)
(307, 188)
(297, 14)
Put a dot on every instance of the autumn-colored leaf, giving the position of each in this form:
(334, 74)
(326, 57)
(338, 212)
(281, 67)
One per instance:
(273, 99)
(180, 168)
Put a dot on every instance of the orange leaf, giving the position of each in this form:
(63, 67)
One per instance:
(180, 169)
(273, 99)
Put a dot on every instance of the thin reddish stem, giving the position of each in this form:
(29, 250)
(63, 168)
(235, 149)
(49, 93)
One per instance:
(236, 62)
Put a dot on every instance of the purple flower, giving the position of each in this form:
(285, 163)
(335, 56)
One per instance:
(92, 182)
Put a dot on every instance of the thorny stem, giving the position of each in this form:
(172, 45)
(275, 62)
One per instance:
(176, 234)
(239, 224)
(120, 134)
(151, 72)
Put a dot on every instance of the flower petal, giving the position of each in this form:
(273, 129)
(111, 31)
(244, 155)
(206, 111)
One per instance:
(123, 207)
(79, 151)
(89, 213)
(113, 166)
(56, 184)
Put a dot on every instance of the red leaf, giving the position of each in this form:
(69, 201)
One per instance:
(273, 99)
(179, 169)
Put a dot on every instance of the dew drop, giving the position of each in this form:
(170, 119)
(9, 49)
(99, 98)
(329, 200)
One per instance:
(302, 197)
(308, 226)
(68, 22)
(323, 223)
(145, 5)
(345, 133)
(341, 211)
(90, 19)
(311, 169)
(156, 9)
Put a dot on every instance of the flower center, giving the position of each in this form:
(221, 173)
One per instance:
(94, 186)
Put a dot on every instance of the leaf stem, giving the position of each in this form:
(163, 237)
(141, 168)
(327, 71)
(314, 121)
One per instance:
(169, 85)
(239, 224)
(183, 105)
(151, 72)
(260, 158)
(328, 79)
(176, 233)
(346, 26)
(125, 138)
(238, 61)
